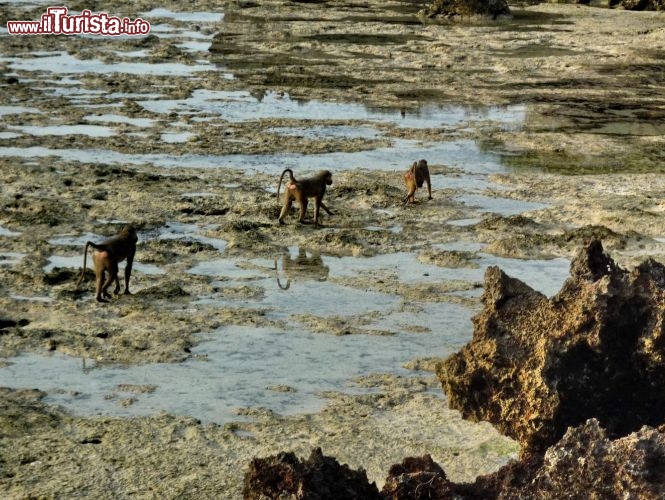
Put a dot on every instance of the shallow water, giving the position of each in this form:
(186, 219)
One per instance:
(66, 64)
(89, 130)
(501, 206)
(10, 258)
(242, 106)
(463, 154)
(197, 17)
(8, 232)
(240, 362)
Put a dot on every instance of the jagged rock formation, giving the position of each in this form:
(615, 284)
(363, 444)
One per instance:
(537, 366)
(584, 463)
(284, 476)
(585, 460)
(467, 8)
(417, 478)
(639, 4)
(552, 373)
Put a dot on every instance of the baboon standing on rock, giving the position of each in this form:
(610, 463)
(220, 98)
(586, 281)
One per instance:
(301, 190)
(106, 256)
(414, 178)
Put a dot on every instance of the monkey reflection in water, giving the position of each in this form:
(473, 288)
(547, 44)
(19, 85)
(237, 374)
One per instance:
(302, 266)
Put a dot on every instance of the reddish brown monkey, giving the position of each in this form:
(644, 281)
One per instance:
(106, 256)
(301, 190)
(414, 178)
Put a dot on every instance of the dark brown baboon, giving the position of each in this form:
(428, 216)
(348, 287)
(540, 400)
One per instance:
(414, 178)
(301, 190)
(106, 256)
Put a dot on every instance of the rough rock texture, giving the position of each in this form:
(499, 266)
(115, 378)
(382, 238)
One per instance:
(467, 8)
(585, 460)
(642, 4)
(285, 477)
(537, 366)
(416, 478)
(584, 463)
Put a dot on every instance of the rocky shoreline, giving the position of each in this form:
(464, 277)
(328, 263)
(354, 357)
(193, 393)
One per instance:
(577, 379)
(175, 139)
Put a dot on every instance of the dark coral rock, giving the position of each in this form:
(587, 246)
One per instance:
(643, 4)
(537, 366)
(417, 478)
(586, 462)
(467, 8)
(284, 476)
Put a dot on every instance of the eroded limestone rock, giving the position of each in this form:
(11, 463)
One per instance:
(467, 8)
(537, 366)
(417, 478)
(284, 476)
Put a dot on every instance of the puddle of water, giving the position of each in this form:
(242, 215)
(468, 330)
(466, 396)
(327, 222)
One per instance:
(460, 246)
(464, 222)
(546, 276)
(194, 46)
(176, 137)
(7, 232)
(501, 206)
(64, 63)
(111, 118)
(466, 182)
(238, 106)
(76, 94)
(325, 298)
(16, 110)
(9, 135)
(54, 261)
(200, 195)
(11, 258)
(393, 229)
(225, 268)
(328, 132)
(43, 130)
(179, 231)
(242, 362)
(195, 17)
(79, 240)
(461, 154)
(31, 299)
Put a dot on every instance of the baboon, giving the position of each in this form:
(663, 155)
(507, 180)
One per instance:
(106, 256)
(311, 187)
(414, 178)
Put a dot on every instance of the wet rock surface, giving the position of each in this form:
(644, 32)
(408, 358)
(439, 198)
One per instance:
(587, 460)
(537, 366)
(467, 8)
(417, 478)
(641, 4)
(197, 201)
(285, 476)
